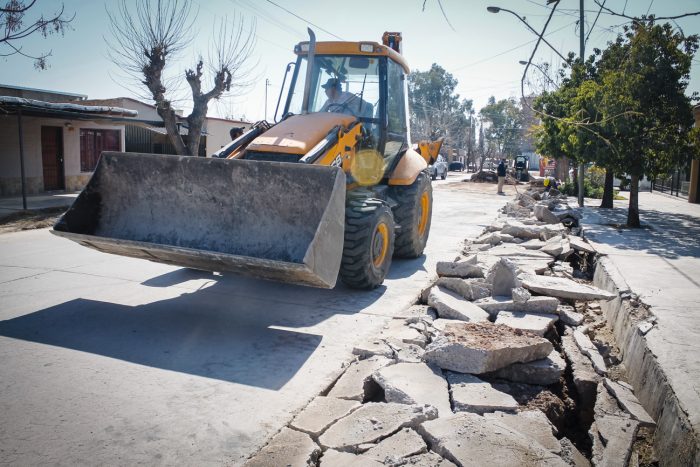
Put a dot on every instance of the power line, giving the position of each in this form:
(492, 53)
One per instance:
(305, 20)
(596, 20)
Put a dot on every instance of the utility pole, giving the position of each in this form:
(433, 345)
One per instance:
(582, 51)
(267, 84)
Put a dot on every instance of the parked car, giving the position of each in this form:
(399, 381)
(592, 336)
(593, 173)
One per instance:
(456, 166)
(439, 168)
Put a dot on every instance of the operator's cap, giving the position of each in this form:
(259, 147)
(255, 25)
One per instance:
(331, 83)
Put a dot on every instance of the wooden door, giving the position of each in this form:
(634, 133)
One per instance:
(52, 157)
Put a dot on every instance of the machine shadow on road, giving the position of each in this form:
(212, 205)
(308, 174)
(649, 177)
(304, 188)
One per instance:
(228, 330)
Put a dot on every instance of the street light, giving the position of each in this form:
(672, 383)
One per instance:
(495, 9)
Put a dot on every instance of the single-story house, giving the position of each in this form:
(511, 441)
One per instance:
(63, 134)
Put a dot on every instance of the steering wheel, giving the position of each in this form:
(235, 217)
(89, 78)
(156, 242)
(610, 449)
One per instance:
(343, 109)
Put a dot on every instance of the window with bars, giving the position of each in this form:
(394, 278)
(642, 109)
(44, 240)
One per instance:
(93, 142)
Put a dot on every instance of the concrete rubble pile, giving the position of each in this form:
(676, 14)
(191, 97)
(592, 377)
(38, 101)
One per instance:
(499, 364)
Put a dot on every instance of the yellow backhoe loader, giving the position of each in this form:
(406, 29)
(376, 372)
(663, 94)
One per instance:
(334, 189)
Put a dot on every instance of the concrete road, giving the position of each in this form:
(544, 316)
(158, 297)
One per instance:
(111, 360)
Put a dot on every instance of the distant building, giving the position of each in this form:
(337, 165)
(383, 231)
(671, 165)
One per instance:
(63, 135)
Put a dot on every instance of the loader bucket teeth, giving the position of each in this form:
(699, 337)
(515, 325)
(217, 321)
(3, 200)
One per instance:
(271, 220)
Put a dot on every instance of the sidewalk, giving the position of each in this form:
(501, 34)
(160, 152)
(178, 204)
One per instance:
(9, 205)
(661, 264)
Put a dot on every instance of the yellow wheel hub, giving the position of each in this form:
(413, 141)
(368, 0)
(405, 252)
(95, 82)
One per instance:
(380, 244)
(424, 213)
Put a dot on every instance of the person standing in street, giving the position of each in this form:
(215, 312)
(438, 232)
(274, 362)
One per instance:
(501, 172)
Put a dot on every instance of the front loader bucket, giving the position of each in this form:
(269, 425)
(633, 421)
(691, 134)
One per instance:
(272, 220)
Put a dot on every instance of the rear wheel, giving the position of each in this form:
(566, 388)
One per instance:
(444, 175)
(413, 214)
(369, 243)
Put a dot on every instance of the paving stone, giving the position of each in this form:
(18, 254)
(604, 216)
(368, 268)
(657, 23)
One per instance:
(579, 244)
(564, 288)
(333, 458)
(469, 289)
(520, 295)
(541, 372)
(469, 439)
(588, 349)
(571, 455)
(532, 424)
(534, 305)
(373, 348)
(543, 214)
(538, 323)
(357, 379)
(483, 347)
(628, 401)
(373, 422)
(321, 413)
(429, 459)
(397, 447)
(585, 378)
(288, 447)
(471, 394)
(503, 277)
(414, 383)
(569, 316)
(452, 306)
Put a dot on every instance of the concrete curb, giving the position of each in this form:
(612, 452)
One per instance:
(675, 442)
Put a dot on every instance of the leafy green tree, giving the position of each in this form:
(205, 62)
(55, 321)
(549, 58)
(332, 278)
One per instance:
(504, 126)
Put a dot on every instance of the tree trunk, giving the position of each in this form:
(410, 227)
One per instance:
(561, 171)
(608, 191)
(633, 211)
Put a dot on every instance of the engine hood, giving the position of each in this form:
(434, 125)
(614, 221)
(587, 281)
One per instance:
(298, 134)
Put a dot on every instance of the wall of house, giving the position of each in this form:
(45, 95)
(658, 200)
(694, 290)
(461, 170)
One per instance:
(10, 173)
(218, 133)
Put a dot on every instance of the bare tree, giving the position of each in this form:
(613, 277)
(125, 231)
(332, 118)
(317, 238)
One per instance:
(151, 35)
(14, 27)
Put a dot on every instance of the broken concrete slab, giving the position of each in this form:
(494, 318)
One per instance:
(321, 413)
(564, 288)
(552, 230)
(452, 306)
(440, 323)
(579, 244)
(541, 372)
(407, 353)
(521, 230)
(399, 330)
(469, 439)
(414, 383)
(628, 401)
(469, 289)
(517, 251)
(333, 458)
(356, 382)
(462, 269)
(495, 226)
(373, 422)
(373, 348)
(428, 459)
(533, 305)
(591, 351)
(585, 378)
(288, 447)
(492, 238)
(397, 447)
(569, 316)
(543, 214)
(612, 438)
(478, 348)
(555, 246)
(503, 277)
(471, 394)
(532, 244)
(531, 424)
(538, 323)
(571, 455)
(520, 295)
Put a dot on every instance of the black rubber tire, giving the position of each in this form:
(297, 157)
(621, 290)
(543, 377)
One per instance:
(444, 175)
(410, 242)
(433, 176)
(363, 217)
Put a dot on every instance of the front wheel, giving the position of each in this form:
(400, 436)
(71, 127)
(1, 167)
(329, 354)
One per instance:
(369, 243)
(413, 214)
(444, 175)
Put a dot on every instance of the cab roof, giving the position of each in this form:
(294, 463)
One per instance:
(353, 48)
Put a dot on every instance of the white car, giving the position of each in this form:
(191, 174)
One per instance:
(439, 168)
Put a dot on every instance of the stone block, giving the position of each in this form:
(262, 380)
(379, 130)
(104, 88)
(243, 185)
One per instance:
(538, 323)
(541, 372)
(452, 306)
(533, 305)
(503, 277)
(564, 288)
(469, 289)
(471, 394)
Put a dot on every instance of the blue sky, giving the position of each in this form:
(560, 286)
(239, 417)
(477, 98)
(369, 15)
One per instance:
(479, 48)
